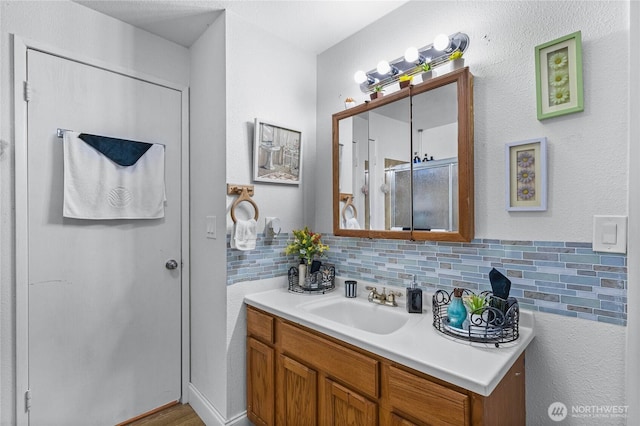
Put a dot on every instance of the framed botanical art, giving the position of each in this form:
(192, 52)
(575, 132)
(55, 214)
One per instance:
(526, 172)
(559, 76)
(277, 153)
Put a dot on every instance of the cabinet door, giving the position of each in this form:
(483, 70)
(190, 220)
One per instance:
(399, 421)
(297, 393)
(346, 408)
(260, 383)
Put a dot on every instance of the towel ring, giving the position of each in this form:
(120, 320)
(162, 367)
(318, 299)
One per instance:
(348, 203)
(244, 196)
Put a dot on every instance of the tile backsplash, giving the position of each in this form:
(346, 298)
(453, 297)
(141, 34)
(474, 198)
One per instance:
(564, 278)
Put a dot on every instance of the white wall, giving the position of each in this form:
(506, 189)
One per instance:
(75, 28)
(271, 79)
(582, 181)
(575, 361)
(207, 184)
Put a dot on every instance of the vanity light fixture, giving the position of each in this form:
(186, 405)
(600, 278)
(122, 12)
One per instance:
(441, 42)
(385, 68)
(361, 77)
(435, 54)
(412, 55)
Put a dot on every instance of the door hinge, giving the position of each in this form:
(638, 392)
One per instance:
(27, 91)
(27, 400)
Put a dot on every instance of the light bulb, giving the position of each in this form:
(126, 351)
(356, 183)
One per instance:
(411, 54)
(441, 42)
(360, 77)
(383, 67)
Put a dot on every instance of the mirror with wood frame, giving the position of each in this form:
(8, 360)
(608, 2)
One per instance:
(403, 163)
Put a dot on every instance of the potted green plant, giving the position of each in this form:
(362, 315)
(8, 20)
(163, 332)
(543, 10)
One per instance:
(426, 71)
(475, 304)
(378, 91)
(456, 59)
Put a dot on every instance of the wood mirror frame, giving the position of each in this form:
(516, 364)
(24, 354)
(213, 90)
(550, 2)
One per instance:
(466, 216)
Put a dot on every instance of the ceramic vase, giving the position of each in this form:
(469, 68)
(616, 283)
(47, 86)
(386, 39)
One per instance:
(349, 104)
(302, 273)
(457, 64)
(456, 311)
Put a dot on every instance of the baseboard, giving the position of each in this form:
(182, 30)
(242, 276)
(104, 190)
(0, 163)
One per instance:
(208, 413)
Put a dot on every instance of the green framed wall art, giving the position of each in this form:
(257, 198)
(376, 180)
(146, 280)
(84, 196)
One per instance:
(559, 88)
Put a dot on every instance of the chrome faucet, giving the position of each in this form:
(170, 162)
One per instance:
(383, 298)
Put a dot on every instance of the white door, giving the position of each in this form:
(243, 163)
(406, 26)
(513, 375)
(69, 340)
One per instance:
(104, 317)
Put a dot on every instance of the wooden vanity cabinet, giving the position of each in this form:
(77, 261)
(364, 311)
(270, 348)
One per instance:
(260, 368)
(296, 386)
(297, 377)
(346, 407)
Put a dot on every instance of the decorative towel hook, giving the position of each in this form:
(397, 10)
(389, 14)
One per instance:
(245, 191)
(348, 202)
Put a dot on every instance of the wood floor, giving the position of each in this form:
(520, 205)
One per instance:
(178, 415)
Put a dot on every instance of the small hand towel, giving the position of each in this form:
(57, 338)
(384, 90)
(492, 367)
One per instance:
(352, 223)
(244, 235)
(97, 188)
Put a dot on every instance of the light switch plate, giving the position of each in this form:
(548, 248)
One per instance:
(610, 234)
(211, 227)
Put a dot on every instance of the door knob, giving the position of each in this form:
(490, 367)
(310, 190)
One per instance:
(171, 264)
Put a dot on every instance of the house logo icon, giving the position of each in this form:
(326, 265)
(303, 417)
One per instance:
(557, 411)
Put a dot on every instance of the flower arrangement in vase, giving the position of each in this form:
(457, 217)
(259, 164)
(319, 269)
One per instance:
(306, 245)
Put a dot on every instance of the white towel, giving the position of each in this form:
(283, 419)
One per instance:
(244, 235)
(352, 223)
(97, 188)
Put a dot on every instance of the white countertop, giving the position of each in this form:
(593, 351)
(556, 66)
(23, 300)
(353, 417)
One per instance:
(417, 344)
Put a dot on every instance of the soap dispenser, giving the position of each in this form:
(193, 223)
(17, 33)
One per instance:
(414, 298)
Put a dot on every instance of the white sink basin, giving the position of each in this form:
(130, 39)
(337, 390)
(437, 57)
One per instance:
(359, 314)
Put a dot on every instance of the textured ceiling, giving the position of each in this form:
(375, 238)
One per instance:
(313, 25)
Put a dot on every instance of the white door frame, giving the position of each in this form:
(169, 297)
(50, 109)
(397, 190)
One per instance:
(20, 47)
(633, 254)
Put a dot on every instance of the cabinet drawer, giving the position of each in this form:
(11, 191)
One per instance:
(259, 325)
(348, 366)
(425, 400)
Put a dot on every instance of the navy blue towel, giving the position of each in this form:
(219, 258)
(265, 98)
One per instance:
(120, 151)
(500, 284)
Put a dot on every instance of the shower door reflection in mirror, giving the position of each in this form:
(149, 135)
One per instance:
(435, 170)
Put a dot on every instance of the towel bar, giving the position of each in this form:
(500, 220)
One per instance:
(245, 191)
